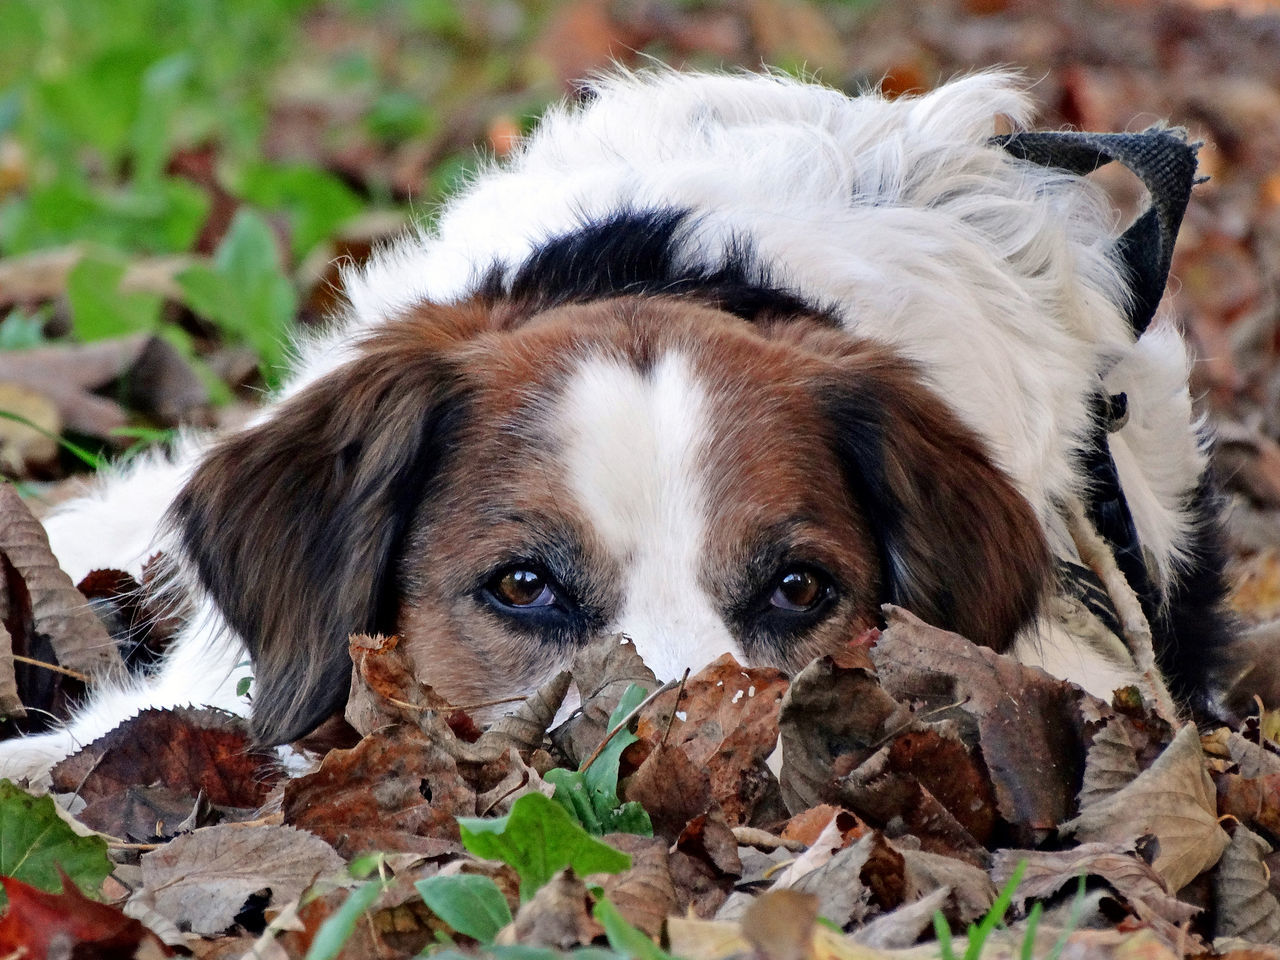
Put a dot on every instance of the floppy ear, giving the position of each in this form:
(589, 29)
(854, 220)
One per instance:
(295, 526)
(959, 546)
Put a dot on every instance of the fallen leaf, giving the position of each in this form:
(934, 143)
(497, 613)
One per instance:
(780, 924)
(187, 750)
(396, 790)
(1110, 764)
(1246, 907)
(1173, 800)
(972, 892)
(30, 443)
(902, 927)
(643, 893)
(47, 925)
(1028, 723)
(730, 729)
(201, 880)
(832, 718)
(843, 896)
(40, 848)
(77, 637)
(672, 790)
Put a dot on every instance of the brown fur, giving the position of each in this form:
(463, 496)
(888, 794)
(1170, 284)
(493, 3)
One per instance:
(382, 497)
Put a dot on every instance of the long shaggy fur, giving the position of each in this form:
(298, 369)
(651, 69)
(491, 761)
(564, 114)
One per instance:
(894, 227)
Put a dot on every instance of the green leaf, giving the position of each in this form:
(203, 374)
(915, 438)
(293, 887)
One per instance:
(35, 843)
(162, 90)
(336, 931)
(591, 795)
(538, 838)
(623, 937)
(472, 905)
(164, 218)
(99, 310)
(245, 291)
(315, 202)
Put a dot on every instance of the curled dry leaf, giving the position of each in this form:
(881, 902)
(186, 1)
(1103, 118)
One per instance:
(395, 791)
(1133, 879)
(730, 729)
(643, 894)
(902, 927)
(972, 892)
(201, 880)
(525, 727)
(1173, 800)
(833, 717)
(384, 688)
(1254, 801)
(1028, 723)
(557, 916)
(844, 884)
(602, 671)
(59, 612)
(10, 701)
(189, 752)
(1246, 907)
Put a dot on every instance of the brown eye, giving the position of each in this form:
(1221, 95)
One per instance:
(799, 590)
(521, 587)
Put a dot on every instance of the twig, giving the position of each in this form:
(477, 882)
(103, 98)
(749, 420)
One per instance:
(73, 674)
(671, 719)
(764, 840)
(621, 724)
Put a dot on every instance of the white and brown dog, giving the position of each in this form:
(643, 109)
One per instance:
(720, 362)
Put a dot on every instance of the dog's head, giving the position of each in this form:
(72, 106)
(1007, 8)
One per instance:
(500, 482)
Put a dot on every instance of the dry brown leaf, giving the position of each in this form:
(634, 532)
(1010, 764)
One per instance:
(10, 701)
(1254, 759)
(1128, 874)
(186, 750)
(644, 893)
(525, 727)
(1246, 907)
(395, 791)
(1028, 723)
(1254, 801)
(843, 897)
(557, 916)
(730, 729)
(696, 939)
(201, 880)
(59, 611)
(1173, 800)
(972, 892)
(832, 719)
(671, 789)
(936, 758)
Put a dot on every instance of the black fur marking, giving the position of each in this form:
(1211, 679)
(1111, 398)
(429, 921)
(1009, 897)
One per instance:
(643, 253)
(1193, 631)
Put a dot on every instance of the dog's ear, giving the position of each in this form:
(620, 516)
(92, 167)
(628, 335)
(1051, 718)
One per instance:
(294, 526)
(959, 546)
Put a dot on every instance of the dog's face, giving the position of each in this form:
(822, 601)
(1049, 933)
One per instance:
(500, 483)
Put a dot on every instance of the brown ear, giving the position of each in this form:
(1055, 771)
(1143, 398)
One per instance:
(294, 526)
(959, 546)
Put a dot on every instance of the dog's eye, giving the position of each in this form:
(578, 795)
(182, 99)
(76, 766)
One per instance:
(799, 589)
(522, 587)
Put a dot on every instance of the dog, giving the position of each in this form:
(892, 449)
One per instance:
(724, 363)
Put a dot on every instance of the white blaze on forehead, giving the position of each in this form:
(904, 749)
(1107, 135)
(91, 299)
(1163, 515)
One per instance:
(634, 443)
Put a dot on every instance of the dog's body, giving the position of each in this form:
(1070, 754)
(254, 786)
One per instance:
(723, 363)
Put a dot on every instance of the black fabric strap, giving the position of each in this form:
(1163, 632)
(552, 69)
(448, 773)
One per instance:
(1163, 160)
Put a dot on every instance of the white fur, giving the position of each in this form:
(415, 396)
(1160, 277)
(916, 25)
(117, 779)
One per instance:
(632, 449)
(991, 273)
